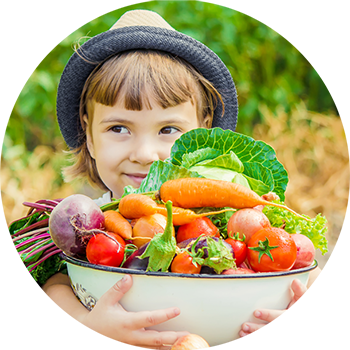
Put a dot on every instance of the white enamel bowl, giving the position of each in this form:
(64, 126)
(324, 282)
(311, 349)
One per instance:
(212, 306)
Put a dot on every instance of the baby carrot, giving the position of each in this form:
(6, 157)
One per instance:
(135, 205)
(202, 192)
(116, 223)
(185, 216)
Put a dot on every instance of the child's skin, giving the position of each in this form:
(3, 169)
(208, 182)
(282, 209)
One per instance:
(124, 143)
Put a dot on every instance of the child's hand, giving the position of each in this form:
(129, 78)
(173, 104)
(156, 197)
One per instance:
(278, 319)
(109, 318)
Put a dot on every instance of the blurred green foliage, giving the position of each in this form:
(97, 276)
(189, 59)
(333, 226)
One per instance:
(267, 69)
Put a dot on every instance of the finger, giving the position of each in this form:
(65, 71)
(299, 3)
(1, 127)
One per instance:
(146, 319)
(154, 339)
(250, 327)
(298, 289)
(114, 294)
(267, 315)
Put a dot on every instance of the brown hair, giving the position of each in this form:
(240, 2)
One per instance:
(137, 78)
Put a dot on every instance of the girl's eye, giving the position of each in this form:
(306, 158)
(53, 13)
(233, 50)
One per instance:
(169, 130)
(118, 129)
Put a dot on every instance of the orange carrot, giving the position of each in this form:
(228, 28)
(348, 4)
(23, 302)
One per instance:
(134, 206)
(183, 216)
(146, 227)
(116, 223)
(201, 192)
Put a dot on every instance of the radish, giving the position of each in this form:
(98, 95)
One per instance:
(305, 251)
(73, 221)
(247, 222)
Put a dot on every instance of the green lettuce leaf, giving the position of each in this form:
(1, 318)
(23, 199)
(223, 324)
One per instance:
(315, 229)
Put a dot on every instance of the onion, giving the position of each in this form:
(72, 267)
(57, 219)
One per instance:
(189, 342)
(247, 222)
(73, 221)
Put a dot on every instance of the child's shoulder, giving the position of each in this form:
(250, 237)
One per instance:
(104, 199)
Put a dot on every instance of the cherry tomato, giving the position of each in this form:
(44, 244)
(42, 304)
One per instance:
(196, 228)
(102, 250)
(271, 249)
(239, 248)
(183, 263)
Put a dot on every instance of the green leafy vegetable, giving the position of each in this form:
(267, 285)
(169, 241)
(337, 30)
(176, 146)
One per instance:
(231, 156)
(219, 257)
(221, 221)
(315, 229)
(227, 161)
(48, 268)
(199, 155)
(259, 177)
(162, 248)
(221, 174)
(25, 222)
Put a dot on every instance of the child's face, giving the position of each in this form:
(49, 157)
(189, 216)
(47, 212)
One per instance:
(124, 143)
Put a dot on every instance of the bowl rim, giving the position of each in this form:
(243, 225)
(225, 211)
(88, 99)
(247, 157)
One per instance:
(86, 264)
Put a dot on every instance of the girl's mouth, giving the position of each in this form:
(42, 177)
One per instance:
(136, 178)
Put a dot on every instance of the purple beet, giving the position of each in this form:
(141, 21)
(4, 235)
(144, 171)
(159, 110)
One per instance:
(73, 221)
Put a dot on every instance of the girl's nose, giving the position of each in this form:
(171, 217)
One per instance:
(144, 152)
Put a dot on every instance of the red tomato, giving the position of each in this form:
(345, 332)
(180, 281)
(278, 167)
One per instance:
(183, 263)
(271, 249)
(196, 228)
(239, 248)
(102, 250)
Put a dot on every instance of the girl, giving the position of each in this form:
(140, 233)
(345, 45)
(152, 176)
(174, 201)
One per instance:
(124, 97)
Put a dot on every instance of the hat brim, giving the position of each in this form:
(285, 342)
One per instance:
(109, 43)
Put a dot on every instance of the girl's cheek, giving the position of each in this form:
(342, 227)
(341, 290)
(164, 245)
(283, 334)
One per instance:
(165, 150)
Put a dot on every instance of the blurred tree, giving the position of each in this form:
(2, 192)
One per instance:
(265, 70)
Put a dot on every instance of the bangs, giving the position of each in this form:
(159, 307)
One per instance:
(137, 78)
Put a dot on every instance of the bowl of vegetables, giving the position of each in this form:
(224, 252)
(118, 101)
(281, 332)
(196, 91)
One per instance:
(194, 267)
(207, 231)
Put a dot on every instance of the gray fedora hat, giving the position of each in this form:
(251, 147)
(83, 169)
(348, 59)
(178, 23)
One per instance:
(140, 29)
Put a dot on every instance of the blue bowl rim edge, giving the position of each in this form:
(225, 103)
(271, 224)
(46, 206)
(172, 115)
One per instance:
(87, 264)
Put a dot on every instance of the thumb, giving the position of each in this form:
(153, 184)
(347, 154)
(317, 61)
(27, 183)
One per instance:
(115, 293)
